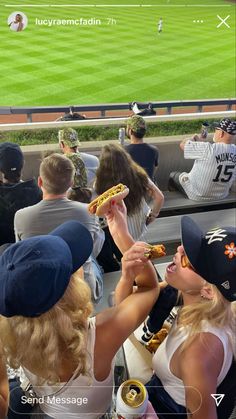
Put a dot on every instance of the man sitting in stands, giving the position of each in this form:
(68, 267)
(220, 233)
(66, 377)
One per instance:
(56, 177)
(214, 168)
(69, 142)
(144, 154)
(14, 193)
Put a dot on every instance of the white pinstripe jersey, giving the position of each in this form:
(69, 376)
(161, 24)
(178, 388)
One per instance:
(213, 171)
(137, 222)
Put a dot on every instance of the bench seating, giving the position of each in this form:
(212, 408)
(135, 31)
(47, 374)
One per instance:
(175, 203)
(167, 230)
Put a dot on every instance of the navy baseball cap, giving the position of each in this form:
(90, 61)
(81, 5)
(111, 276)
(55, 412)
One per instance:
(212, 255)
(34, 273)
(11, 158)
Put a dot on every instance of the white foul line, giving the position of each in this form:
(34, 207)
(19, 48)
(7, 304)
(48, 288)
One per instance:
(114, 5)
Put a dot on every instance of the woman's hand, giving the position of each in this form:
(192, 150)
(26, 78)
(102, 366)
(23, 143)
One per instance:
(117, 223)
(134, 260)
(116, 217)
(133, 263)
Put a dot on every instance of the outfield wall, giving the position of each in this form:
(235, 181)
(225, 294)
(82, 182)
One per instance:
(116, 121)
(170, 155)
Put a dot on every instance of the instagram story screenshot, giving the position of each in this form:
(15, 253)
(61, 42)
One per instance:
(117, 209)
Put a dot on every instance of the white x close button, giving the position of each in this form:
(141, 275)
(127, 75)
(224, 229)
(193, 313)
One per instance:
(223, 21)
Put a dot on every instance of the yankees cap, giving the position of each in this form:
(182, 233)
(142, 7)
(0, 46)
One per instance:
(212, 255)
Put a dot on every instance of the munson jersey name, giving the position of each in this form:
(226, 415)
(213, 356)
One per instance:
(231, 157)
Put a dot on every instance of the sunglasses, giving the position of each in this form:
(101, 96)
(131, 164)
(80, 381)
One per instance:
(185, 263)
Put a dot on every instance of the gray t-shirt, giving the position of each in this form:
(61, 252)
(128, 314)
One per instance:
(49, 214)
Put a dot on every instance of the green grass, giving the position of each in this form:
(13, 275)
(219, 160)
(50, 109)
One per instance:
(119, 62)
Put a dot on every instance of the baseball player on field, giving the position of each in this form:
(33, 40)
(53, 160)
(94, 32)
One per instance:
(160, 25)
(214, 168)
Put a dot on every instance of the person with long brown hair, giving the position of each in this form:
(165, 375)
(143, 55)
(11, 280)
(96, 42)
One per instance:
(116, 166)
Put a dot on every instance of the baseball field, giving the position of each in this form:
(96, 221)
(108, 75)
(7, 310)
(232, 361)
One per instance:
(110, 51)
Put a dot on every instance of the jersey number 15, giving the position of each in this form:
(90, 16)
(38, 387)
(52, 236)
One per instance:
(226, 175)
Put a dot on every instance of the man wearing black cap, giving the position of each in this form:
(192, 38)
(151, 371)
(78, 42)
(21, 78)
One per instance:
(14, 193)
(214, 168)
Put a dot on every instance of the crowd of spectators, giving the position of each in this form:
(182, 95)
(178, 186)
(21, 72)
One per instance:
(52, 257)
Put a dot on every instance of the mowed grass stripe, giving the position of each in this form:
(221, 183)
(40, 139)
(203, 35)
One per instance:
(125, 62)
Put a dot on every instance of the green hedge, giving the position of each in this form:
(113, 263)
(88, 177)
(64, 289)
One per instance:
(98, 133)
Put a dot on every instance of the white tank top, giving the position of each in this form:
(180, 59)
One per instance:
(162, 358)
(81, 397)
(14, 26)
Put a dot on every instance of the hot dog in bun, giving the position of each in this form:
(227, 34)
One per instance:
(101, 204)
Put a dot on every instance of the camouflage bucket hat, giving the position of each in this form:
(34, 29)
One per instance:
(69, 137)
(136, 122)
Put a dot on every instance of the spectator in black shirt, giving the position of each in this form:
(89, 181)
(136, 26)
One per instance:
(144, 154)
(14, 193)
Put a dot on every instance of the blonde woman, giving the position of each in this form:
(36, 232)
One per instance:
(46, 325)
(17, 24)
(196, 360)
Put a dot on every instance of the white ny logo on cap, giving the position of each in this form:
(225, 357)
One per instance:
(226, 285)
(215, 235)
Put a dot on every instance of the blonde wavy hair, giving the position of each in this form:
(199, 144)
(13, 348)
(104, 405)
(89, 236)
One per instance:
(219, 312)
(41, 343)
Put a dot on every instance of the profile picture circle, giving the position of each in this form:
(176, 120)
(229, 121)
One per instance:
(17, 21)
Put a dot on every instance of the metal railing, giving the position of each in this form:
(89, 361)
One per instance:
(196, 105)
(115, 121)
